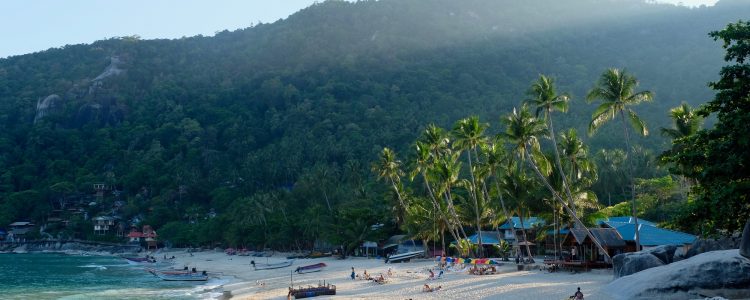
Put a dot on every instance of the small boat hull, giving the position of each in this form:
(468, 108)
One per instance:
(311, 268)
(181, 276)
(280, 265)
(404, 256)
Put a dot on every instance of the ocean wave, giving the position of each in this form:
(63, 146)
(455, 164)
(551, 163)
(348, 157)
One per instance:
(98, 267)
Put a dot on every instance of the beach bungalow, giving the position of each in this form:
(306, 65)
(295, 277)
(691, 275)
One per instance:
(651, 235)
(135, 237)
(587, 253)
(511, 231)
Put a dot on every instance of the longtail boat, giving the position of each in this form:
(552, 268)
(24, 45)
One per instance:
(404, 256)
(311, 268)
(183, 276)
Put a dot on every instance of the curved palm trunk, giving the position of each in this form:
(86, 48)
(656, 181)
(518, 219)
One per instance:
(437, 206)
(508, 217)
(449, 201)
(523, 231)
(558, 163)
(632, 183)
(476, 203)
(564, 204)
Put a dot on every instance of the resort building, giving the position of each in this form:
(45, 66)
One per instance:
(512, 231)
(18, 231)
(579, 242)
(651, 235)
(103, 224)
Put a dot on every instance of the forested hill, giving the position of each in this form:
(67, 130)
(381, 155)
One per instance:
(302, 105)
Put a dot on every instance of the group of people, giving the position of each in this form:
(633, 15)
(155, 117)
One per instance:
(378, 279)
(482, 270)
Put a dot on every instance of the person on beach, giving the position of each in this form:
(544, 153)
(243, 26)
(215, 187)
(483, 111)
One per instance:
(353, 274)
(390, 274)
(432, 275)
(428, 289)
(578, 295)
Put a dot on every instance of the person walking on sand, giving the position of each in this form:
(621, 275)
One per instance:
(353, 274)
(578, 295)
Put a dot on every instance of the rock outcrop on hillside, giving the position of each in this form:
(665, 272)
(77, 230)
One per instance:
(718, 273)
(47, 106)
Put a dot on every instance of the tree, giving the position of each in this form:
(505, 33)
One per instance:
(545, 98)
(717, 158)
(469, 134)
(522, 130)
(389, 168)
(616, 89)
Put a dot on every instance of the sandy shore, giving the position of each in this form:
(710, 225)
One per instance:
(406, 283)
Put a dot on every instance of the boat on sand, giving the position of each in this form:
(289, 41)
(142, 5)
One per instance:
(311, 268)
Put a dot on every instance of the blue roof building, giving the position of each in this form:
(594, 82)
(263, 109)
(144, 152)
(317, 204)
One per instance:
(651, 235)
(527, 223)
(488, 238)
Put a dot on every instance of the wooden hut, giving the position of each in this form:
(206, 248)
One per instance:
(588, 255)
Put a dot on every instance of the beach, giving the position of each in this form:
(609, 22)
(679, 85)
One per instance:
(406, 282)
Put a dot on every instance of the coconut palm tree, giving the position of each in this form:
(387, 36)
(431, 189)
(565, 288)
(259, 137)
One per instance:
(422, 162)
(686, 122)
(581, 170)
(446, 170)
(616, 90)
(522, 130)
(469, 134)
(497, 161)
(546, 100)
(389, 168)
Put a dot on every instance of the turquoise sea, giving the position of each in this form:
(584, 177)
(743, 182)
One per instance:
(59, 276)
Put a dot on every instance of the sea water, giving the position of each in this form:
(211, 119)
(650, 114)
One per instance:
(59, 276)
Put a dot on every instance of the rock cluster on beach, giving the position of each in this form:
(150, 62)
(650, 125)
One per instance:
(630, 263)
(722, 273)
(69, 247)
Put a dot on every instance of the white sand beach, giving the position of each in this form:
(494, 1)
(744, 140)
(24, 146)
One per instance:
(406, 283)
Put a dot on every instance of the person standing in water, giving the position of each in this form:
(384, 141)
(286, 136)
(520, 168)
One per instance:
(353, 274)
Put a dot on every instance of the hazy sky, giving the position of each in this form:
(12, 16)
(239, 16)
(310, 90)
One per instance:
(33, 25)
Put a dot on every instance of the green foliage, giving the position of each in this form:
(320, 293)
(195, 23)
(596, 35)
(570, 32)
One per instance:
(717, 158)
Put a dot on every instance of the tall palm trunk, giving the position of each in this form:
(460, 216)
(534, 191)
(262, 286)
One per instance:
(632, 183)
(508, 217)
(476, 203)
(563, 203)
(558, 163)
(449, 201)
(523, 231)
(437, 206)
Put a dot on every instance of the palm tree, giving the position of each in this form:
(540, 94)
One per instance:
(446, 170)
(616, 89)
(389, 168)
(469, 134)
(686, 122)
(581, 170)
(545, 98)
(522, 130)
(497, 161)
(423, 161)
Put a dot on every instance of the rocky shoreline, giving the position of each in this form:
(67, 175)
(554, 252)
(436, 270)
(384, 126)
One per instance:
(68, 247)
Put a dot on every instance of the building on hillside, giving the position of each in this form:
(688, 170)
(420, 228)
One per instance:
(586, 250)
(18, 231)
(149, 236)
(103, 224)
(135, 237)
(651, 235)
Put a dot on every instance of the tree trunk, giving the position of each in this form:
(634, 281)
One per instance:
(566, 187)
(632, 184)
(523, 231)
(476, 203)
(562, 202)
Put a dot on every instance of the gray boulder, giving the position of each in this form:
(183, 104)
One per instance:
(745, 244)
(630, 263)
(664, 253)
(713, 274)
(701, 246)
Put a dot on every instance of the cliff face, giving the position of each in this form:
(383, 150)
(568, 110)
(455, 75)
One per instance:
(97, 106)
